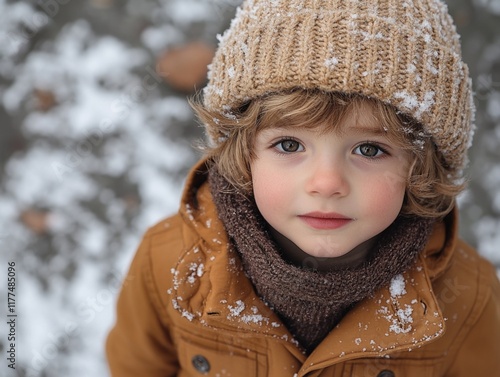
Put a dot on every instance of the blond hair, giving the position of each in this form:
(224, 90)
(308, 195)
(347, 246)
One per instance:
(430, 191)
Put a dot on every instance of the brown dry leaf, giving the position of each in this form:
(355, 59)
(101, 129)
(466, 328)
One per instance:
(185, 67)
(45, 99)
(131, 202)
(35, 220)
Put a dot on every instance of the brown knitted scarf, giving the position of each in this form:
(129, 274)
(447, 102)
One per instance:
(310, 302)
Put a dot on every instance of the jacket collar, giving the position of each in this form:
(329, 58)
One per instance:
(404, 316)
(231, 288)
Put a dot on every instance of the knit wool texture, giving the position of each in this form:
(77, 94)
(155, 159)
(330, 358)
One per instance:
(403, 53)
(309, 302)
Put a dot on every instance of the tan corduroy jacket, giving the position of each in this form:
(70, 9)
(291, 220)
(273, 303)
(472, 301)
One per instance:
(187, 309)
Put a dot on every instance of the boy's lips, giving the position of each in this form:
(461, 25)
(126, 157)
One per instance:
(325, 220)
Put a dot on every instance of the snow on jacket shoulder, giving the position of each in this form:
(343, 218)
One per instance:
(187, 309)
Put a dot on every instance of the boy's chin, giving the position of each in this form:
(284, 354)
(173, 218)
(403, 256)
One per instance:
(319, 253)
(337, 256)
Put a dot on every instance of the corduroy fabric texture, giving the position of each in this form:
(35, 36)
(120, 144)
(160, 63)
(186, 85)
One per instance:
(311, 303)
(404, 53)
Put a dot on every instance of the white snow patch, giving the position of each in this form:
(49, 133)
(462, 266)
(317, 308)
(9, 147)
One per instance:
(412, 103)
(235, 311)
(397, 287)
(331, 63)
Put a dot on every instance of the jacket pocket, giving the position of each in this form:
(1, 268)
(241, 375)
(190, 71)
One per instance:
(394, 368)
(215, 361)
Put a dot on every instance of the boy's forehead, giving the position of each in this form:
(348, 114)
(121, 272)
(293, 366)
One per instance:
(360, 118)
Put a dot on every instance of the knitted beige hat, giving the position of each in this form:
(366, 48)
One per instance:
(402, 52)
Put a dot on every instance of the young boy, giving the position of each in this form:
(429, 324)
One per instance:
(319, 235)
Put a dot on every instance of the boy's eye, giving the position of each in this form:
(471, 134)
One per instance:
(369, 150)
(289, 146)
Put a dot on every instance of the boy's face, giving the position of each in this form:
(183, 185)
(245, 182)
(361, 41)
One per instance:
(329, 191)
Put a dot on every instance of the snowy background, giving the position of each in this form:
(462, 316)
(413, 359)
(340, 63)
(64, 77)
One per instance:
(96, 137)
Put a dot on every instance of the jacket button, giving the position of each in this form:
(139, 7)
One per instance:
(200, 363)
(386, 373)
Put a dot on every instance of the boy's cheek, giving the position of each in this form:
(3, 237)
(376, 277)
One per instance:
(268, 194)
(386, 194)
(393, 182)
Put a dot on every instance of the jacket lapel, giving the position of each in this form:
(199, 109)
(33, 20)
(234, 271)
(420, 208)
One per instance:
(404, 316)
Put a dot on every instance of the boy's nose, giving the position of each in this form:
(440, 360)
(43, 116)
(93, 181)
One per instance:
(327, 178)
